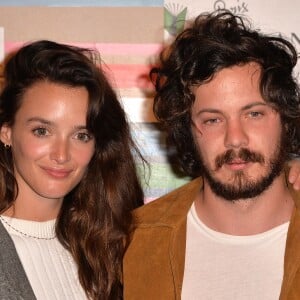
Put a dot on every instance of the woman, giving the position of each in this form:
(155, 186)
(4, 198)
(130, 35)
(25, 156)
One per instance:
(68, 178)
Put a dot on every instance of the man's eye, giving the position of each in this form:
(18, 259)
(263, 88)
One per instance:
(211, 121)
(40, 131)
(255, 114)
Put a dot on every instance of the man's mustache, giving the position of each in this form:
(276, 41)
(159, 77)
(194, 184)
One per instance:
(243, 154)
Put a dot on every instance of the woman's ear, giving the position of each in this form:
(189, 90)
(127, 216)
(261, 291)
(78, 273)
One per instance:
(5, 135)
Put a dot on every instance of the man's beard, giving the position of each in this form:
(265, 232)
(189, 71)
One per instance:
(243, 187)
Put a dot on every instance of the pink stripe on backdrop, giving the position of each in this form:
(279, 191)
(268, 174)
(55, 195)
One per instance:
(129, 76)
(105, 49)
(122, 75)
(8, 47)
(124, 49)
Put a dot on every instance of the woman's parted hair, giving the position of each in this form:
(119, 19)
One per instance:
(212, 42)
(95, 217)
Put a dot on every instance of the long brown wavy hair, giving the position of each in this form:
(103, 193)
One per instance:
(95, 216)
(210, 43)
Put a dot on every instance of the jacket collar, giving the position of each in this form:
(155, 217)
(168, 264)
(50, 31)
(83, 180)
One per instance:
(171, 209)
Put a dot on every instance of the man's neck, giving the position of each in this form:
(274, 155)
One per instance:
(246, 216)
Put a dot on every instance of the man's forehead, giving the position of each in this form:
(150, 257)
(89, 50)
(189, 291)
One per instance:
(250, 69)
(233, 89)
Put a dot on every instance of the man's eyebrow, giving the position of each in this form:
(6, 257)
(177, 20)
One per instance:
(208, 110)
(250, 105)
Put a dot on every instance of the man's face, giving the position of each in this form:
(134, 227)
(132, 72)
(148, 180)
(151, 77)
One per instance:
(238, 135)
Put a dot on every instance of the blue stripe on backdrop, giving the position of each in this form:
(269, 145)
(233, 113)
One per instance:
(106, 3)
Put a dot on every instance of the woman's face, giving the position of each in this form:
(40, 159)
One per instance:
(50, 143)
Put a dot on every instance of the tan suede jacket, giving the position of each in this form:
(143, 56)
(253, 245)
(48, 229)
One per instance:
(154, 261)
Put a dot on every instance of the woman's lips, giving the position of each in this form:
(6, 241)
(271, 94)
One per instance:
(57, 173)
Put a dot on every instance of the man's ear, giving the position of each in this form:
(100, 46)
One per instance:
(5, 134)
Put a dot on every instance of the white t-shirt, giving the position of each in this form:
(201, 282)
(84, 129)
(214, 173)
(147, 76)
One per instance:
(224, 267)
(49, 267)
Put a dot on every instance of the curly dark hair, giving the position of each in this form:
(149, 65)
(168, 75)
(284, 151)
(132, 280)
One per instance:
(212, 42)
(95, 217)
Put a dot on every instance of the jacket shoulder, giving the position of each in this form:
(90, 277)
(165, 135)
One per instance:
(173, 203)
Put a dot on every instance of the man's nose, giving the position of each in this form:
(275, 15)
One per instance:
(236, 135)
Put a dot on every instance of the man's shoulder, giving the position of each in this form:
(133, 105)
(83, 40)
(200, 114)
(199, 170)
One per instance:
(169, 207)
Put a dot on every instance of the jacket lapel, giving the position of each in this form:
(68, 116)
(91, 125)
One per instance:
(292, 253)
(177, 219)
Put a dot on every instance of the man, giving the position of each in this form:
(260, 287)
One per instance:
(231, 107)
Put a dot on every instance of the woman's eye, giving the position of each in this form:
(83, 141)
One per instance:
(40, 131)
(83, 136)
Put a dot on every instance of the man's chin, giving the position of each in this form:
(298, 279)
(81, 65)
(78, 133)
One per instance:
(239, 185)
(234, 192)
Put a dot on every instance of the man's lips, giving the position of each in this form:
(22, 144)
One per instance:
(237, 164)
(237, 161)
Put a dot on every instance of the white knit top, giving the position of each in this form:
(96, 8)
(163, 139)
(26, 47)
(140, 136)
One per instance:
(50, 268)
